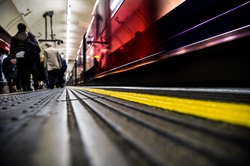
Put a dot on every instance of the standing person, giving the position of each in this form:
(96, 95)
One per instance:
(41, 75)
(10, 72)
(52, 62)
(18, 50)
(34, 69)
(61, 72)
(33, 58)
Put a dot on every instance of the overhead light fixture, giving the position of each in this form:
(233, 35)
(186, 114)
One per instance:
(115, 6)
(68, 26)
(59, 42)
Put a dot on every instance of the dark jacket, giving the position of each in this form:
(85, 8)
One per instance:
(18, 43)
(9, 69)
(64, 65)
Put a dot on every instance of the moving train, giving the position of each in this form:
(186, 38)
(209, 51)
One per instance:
(4, 50)
(165, 43)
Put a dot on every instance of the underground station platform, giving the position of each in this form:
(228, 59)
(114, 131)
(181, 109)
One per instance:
(121, 126)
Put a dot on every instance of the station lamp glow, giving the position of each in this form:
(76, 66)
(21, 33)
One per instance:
(68, 26)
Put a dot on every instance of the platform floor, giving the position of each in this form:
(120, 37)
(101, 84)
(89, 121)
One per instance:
(74, 126)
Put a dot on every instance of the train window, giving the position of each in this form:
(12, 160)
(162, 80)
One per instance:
(114, 6)
(90, 33)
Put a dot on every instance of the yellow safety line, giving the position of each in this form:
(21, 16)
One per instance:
(238, 114)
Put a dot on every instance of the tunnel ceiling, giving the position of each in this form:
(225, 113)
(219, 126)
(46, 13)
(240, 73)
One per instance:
(31, 12)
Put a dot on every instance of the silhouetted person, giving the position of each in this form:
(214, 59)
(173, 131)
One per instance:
(52, 62)
(41, 73)
(61, 72)
(10, 72)
(18, 50)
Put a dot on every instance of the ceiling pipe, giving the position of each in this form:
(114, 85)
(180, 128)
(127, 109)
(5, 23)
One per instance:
(45, 18)
(49, 13)
(52, 35)
(15, 19)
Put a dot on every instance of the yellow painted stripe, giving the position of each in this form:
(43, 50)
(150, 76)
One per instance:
(238, 114)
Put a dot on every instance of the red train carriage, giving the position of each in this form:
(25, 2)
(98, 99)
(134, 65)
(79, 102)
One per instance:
(4, 50)
(147, 42)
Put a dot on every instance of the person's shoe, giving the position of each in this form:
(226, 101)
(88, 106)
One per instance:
(13, 89)
(29, 89)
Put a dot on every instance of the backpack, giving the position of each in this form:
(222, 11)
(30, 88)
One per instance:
(32, 49)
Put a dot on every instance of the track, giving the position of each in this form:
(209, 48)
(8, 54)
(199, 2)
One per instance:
(111, 131)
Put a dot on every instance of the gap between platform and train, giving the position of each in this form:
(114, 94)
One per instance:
(233, 113)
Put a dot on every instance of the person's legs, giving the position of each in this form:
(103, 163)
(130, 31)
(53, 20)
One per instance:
(35, 76)
(59, 84)
(28, 72)
(21, 73)
(9, 84)
(14, 88)
(62, 80)
(18, 86)
(40, 84)
(55, 76)
(51, 79)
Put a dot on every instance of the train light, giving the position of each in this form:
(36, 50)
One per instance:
(97, 56)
